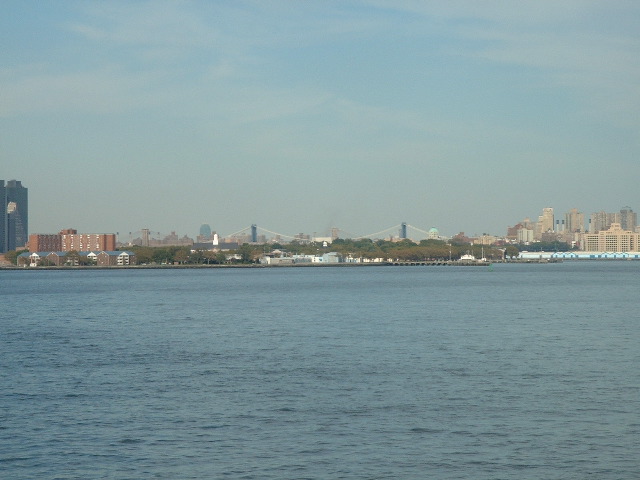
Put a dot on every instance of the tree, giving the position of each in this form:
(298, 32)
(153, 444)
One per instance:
(162, 255)
(209, 256)
(511, 251)
(431, 242)
(197, 257)
(12, 256)
(182, 255)
(246, 253)
(143, 254)
(546, 247)
(294, 247)
(86, 261)
(72, 258)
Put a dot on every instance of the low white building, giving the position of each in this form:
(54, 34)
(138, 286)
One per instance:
(579, 255)
(331, 257)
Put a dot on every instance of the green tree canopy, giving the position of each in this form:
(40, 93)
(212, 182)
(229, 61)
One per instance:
(12, 256)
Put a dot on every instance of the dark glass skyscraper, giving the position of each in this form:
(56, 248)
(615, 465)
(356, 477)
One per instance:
(205, 230)
(14, 225)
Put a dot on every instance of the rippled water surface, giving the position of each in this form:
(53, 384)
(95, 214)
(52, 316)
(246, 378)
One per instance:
(513, 371)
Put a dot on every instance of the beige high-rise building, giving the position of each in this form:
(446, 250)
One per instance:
(615, 239)
(547, 219)
(574, 221)
(628, 219)
(602, 221)
(545, 223)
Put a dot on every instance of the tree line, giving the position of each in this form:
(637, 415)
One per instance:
(403, 250)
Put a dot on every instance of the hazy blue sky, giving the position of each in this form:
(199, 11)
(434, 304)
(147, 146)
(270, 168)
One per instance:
(299, 115)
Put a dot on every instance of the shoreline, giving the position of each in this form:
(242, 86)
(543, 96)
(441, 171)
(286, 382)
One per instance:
(250, 265)
(423, 263)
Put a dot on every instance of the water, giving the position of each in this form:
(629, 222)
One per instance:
(518, 371)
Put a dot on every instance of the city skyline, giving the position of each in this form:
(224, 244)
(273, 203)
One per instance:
(301, 116)
(608, 230)
(548, 220)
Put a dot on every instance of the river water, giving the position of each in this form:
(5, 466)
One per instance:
(504, 372)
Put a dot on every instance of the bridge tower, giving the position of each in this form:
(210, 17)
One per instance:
(403, 230)
(254, 233)
(145, 237)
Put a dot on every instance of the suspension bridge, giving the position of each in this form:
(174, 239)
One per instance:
(402, 230)
(253, 233)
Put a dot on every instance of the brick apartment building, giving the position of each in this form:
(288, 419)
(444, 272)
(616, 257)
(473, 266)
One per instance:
(44, 242)
(69, 239)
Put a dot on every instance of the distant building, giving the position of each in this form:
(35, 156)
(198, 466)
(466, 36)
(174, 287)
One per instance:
(173, 240)
(102, 258)
(575, 255)
(550, 237)
(215, 246)
(602, 221)
(45, 242)
(35, 259)
(522, 232)
(323, 240)
(525, 235)
(237, 238)
(461, 238)
(615, 239)
(69, 239)
(115, 258)
(512, 232)
(545, 223)
(302, 238)
(628, 219)
(205, 230)
(14, 219)
(278, 258)
(433, 234)
(205, 233)
(574, 221)
(486, 240)
(82, 242)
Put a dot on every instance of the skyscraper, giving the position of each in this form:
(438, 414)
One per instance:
(574, 221)
(205, 233)
(628, 219)
(14, 219)
(205, 230)
(545, 223)
(602, 221)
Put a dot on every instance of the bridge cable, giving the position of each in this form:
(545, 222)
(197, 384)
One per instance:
(378, 233)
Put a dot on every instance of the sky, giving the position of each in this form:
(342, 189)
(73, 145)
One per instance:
(300, 116)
